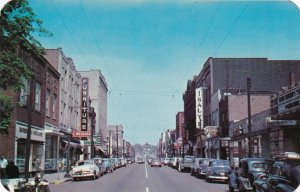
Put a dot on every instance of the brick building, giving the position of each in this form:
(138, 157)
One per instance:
(230, 73)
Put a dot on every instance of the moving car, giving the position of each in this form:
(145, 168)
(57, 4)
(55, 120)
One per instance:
(140, 160)
(250, 169)
(85, 168)
(155, 163)
(218, 170)
(166, 161)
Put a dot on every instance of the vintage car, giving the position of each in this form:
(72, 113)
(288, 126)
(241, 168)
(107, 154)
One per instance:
(186, 163)
(156, 162)
(283, 176)
(108, 164)
(195, 166)
(218, 170)
(85, 168)
(201, 169)
(250, 169)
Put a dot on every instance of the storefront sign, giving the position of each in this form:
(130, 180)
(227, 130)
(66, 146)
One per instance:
(36, 134)
(84, 104)
(200, 107)
(81, 134)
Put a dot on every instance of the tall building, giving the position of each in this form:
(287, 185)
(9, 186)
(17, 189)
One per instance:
(69, 100)
(179, 125)
(97, 92)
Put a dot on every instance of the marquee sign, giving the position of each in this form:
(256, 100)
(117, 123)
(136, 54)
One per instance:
(84, 104)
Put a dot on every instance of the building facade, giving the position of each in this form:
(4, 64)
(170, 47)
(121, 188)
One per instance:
(225, 74)
(98, 94)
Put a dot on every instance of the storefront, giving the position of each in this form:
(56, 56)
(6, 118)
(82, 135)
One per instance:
(51, 148)
(37, 147)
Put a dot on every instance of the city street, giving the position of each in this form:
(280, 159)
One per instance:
(142, 178)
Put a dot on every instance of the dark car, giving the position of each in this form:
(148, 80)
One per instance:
(250, 169)
(218, 170)
(284, 176)
(201, 170)
(195, 166)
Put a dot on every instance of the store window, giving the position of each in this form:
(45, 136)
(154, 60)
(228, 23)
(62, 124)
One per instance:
(21, 151)
(47, 102)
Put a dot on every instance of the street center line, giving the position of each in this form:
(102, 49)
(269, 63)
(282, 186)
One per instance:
(147, 189)
(146, 171)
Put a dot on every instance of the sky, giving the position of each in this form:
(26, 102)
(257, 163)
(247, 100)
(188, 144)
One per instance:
(147, 50)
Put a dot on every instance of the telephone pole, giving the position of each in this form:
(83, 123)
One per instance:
(249, 117)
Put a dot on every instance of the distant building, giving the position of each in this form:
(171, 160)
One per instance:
(115, 140)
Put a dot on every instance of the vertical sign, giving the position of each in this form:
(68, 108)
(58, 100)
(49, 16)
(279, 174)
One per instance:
(199, 107)
(84, 104)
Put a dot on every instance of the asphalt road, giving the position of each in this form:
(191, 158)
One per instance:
(142, 178)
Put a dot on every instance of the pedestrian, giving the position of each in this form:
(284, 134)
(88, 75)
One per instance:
(3, 164)
(12, 171)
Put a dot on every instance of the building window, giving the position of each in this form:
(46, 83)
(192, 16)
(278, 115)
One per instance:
(37, 96)
(25, 91)
(47, 102)
(54, 98)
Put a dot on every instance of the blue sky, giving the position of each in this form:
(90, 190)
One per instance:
(147, 50)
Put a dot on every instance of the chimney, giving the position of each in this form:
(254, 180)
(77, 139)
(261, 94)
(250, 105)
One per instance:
(292, 78)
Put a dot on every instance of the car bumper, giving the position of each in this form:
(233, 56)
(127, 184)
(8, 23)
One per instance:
(83, 175)
(219, 178)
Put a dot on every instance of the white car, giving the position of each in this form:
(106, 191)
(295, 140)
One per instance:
(85, 168)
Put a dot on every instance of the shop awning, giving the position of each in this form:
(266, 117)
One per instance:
(73, 144)
(100, 148)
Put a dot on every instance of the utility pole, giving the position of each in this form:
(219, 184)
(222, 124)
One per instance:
(249, 117)
(28, 140)
(117, 141)
(93, 119)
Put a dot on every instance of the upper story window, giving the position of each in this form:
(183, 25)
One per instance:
(37, 103)
(25, 91)
(47, 102)
(54, 98)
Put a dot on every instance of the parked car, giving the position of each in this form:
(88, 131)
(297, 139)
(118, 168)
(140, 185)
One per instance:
(284, 176)
(155, 162)
(250, 169)
(108, 164)
(201, 170)
(123, 162)
(218, 170)
(102, 168)
(85, 168)
(116, 163)
(173, 162)
(186, 163)
(195, 166)
(166, 161)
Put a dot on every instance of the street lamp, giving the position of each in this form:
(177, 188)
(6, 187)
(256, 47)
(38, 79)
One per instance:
(67, 175)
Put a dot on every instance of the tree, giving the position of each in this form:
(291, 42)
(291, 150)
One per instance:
(18, 25)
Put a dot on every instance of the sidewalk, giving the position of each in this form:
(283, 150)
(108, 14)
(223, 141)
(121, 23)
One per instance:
(56, 178)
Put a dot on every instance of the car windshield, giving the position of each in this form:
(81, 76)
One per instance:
(220, 163)
(85, 163)
(188, 159)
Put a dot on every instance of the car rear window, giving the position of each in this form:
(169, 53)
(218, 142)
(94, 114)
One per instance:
(261, 166)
